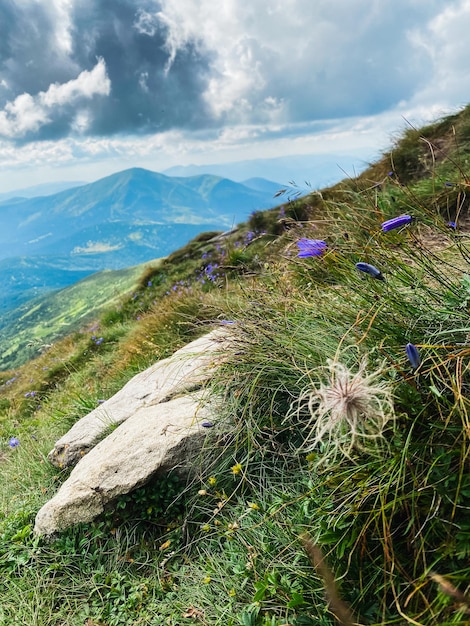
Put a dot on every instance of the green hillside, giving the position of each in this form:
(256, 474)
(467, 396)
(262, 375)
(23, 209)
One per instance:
(29, 329)
(336, 486)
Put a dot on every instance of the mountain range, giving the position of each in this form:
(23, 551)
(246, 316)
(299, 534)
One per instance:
(313, 171)
(128, 218)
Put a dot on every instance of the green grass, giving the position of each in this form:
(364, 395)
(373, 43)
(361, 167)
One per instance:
(303, 504)
(28, 330)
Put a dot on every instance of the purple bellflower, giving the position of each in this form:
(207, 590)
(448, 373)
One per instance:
(371, 270)
(14, 442)
(311, 247)
(413, 355)
(396, 222)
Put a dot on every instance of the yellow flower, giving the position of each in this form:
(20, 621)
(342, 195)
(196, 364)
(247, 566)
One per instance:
(212, 480)
(206, 580)
(236, 469)
(232, 593)
(253, 505)
(206, 528)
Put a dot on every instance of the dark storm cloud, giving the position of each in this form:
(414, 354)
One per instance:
(29, 57)
(147, 93)
(149, 89)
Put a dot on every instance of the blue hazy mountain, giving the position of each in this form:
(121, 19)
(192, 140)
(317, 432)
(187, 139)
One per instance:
(44, 189)
(128, 218)
(314, 171)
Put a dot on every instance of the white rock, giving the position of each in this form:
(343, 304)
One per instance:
(155, 438)
(186, 369)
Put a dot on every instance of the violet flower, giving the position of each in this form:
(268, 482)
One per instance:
(311, 247)
(371, 270)
(14, 442)
(413, 355)
(396, 222)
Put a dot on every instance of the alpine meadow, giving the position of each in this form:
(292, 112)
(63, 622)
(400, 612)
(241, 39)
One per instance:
(334, 486)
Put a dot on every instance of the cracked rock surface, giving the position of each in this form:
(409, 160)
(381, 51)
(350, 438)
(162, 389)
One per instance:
(156, 438)
(186, 369)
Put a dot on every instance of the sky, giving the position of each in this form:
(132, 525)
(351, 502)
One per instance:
(91, 87)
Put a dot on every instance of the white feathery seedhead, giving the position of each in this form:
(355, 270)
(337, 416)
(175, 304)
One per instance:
(347, 410)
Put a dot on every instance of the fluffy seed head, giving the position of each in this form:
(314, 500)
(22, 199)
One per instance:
(347, 410)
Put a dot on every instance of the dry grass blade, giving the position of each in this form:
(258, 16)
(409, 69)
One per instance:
(337, 606)
(451, 591)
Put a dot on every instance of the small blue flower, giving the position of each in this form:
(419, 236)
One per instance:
(311, 247)
(207, 424)
(452, 224)
(14, 442)
(371, 270)
(396, 222)
(413, 355)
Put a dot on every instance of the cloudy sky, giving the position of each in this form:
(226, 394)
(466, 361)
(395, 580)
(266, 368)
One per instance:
(89, 87)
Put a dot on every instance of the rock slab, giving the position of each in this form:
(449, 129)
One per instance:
(165, 436)
(186, 369)
(156, 423)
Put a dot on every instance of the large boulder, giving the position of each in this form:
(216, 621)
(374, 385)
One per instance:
(187, 369)
(157, 422)
(157, 438)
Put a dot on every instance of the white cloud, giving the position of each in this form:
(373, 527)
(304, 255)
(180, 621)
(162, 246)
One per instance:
(445, 40)
(311, 59)
(86, 85)
(27, 113)
(288, 77)
(22, 116)
(63, 24)
(146, 23)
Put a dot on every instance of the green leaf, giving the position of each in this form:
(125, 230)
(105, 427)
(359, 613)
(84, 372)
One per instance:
(296, 600)
(261, 587)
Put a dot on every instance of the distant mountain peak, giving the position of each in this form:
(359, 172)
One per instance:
(120, 220)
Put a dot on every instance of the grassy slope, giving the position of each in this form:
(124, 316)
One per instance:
(388, 508)
(30, 328)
